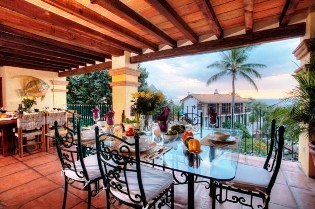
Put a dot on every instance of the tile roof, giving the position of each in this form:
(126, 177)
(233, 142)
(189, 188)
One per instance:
(216, 98)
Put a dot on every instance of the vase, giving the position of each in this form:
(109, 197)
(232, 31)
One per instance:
(145, 123)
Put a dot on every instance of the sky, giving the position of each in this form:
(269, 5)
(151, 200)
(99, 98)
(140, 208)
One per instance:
(175, 77)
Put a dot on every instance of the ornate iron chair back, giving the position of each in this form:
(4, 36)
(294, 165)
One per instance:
(123, 175)
(115, 165)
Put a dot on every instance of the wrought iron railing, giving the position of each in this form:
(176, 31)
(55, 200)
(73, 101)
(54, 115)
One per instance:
(85, 111)
(256, 138)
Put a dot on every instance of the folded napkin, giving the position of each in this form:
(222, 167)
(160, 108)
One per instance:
(155, 152)
(211, 141)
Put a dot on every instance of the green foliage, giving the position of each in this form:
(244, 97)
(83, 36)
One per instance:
(89, 88)
(93, 88)
(234, 64)
(142, 79)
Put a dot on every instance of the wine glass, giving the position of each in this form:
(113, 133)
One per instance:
(96, 116)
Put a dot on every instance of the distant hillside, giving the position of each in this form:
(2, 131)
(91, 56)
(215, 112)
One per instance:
(269, 101)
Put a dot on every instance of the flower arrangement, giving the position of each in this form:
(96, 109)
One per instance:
(28, 102)
(145, 102)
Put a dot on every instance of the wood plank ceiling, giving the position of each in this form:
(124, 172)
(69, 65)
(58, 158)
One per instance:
(78, 36)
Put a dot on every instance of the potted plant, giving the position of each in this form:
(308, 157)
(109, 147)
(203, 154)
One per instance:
(302, 99)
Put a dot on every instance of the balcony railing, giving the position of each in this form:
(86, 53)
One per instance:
(255, 139)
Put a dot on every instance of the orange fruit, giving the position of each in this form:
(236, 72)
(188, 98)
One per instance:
(194, 145)
(187, 134)
(187, 140)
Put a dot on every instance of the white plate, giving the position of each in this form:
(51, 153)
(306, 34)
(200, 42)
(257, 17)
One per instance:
(228, 140)
(88, 135)
(143, 146)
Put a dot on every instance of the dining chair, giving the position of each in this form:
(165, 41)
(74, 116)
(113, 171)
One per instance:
(30, 133)
(51, 117)
(255, 181)
(128, 181)
(79, 171)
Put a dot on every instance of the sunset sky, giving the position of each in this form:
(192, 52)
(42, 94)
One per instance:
(177, 76)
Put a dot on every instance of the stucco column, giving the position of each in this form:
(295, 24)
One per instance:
(302, 53)
(124, 82)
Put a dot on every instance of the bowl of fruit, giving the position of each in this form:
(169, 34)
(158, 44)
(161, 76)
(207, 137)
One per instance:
(170, 135)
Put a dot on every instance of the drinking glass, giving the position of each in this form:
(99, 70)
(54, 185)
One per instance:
(96, 117)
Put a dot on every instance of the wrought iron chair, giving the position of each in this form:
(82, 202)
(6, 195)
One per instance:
(51, 117)
(80, 172)
(130, 182)
(256, 181)
(30, 133)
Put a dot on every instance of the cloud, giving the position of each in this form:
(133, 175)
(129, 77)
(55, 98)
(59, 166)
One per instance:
(178, 76)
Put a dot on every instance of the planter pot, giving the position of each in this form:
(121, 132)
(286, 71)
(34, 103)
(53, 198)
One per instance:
(311, 146)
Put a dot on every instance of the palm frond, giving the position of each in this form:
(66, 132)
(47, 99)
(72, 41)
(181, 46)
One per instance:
(215, 77)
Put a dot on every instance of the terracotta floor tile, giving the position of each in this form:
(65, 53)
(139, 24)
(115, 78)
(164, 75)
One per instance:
(305, 199)
(83, 205)
(7, 161)
(281, 178)
(57, 178)
(40, 160)
(99, 201)
(12, 168)
(281, 195)
(275, 206)
(49, 168)
(291, 166)
(28, 192)
(52, 200)
(31, 156)
(17, 179)
(300, 180)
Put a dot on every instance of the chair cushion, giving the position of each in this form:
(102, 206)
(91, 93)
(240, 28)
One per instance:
(154, 182)
(91, 166)
(251, 178)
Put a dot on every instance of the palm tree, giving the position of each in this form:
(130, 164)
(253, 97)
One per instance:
(233, 64)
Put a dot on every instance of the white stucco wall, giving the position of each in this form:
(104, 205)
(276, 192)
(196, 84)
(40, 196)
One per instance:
(11, 83)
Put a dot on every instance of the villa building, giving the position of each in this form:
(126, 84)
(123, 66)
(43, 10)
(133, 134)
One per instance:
(218, 104)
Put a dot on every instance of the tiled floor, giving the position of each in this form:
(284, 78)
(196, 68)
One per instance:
(35, 182)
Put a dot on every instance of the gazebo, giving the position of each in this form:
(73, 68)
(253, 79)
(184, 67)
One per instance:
(59, 38)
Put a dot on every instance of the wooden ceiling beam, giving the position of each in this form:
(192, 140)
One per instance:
(52, 55)
(39, 48)
(248, 15)
(43, 46)
(63, 34)
(74, 49)
(22, 62)
(129, 15)
(207, 10)
(77, 9)
(28, 66)
(87, 69)
(167, 11)
(34, 55)
(32, 11)
(9, 56)
(287, 12)
(258, 37)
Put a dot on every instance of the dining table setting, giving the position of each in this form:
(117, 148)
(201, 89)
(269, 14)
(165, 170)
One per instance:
(215, 158)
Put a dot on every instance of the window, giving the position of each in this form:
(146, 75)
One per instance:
(238, 107)
(226, 108)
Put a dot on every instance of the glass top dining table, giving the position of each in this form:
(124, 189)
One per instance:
(217, 161)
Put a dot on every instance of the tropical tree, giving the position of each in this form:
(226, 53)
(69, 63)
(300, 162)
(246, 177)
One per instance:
(234, 64)
(93, 88)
